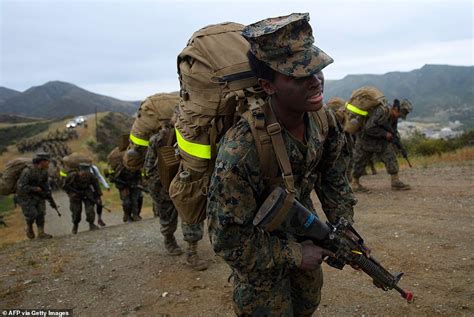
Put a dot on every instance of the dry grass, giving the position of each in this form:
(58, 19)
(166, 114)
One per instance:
(459, 156)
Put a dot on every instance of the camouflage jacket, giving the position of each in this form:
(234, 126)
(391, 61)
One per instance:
(237, 191)
(77, 186)
(372, 136)
(30, 178)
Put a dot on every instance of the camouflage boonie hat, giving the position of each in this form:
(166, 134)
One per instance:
(405, 108)
(286, 45)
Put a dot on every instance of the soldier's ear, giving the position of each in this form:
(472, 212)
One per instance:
(267, 86)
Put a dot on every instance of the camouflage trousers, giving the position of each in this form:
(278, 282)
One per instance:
(75, 205)
(33, 208)
(286, 293)
(362, 158)
(130, 198)
(164, 209)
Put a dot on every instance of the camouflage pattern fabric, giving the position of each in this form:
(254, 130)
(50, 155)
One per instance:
(286, 45)
(82, 189)
(371, 140)
(32, 204)
(265, 266)
(126, 181)
(162, 205)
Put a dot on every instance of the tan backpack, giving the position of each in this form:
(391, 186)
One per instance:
(217, 87)
(71, 162)
(154, 113)
(363, 100)
(115, 159)
(11, 174)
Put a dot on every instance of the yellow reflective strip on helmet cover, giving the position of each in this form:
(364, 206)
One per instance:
(356, 110)
(138, 141)
(62, 173)
(356, 252)
(194, 149)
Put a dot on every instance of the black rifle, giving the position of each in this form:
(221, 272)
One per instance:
(85, 197)
(49, 197)
(282, 212)
(396, 141)
(2, 222)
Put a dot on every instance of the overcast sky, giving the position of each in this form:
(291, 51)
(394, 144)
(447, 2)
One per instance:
(128, 49)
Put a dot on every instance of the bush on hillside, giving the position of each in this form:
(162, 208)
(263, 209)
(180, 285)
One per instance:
(421, 145)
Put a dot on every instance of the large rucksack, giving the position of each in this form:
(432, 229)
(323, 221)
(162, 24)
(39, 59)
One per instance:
(115, 159)
(363, 100)
(9, 177)
(71, 162)
(154, 114)
(217, 88)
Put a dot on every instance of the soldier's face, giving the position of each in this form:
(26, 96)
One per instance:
(44, 165)
(298, 94)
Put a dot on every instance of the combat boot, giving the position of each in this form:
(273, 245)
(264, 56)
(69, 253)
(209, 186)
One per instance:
(172, 246)
(74, 228)
(136, 217)
(42, 234)
(92, 226)
(193, 259)
(29, 231)
(357, 187)
(101, 223)
(126, 217)
(397, 184)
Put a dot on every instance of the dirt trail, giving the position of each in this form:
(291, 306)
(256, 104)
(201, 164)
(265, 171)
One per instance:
(123, 270)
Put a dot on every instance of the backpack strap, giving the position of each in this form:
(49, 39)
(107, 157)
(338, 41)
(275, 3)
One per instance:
(321, 119)
(274, 131)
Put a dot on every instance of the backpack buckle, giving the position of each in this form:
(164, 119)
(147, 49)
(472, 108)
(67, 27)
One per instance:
(273, 128)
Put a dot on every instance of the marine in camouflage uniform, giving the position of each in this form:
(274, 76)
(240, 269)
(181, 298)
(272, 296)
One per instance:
(163, 206)
(31, 191)
(375, 139)
(83, 187)
(276, 275)
(127, 182)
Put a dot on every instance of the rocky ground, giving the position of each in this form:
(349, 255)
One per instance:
(123, 270)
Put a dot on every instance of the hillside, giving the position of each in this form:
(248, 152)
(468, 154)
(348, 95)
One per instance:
(123, 270)
(57, 99)
(438, 92)
(6, 93)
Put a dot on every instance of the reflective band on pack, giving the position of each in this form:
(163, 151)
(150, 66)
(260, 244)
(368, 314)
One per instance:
(356, 110)
(309, 220)
(62, 173)
(138, 141)
(194, 149)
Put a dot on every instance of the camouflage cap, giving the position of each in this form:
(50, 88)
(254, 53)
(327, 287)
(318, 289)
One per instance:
(42, 156)
(405, 108)
(286, 45)
(84, 167)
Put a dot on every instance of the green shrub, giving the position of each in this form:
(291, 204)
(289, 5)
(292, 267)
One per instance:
(420, 145)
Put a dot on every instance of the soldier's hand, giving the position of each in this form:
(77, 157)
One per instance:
(389, 136)
(313, 255)
(37, 189)
(99, 201)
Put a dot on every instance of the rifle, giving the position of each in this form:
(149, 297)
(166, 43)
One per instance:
(49, 197)
(137, 186)
(282, 212)
(398, 144)
(2, 222)
(85, 197)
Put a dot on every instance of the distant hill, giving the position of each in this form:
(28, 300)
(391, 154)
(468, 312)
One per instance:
(57, 99)
(8, 118)
(7, 93)
(438, 92)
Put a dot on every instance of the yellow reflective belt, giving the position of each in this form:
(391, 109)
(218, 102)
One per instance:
(356, 110)
(62, 173)
(138, 141)
(194, 149)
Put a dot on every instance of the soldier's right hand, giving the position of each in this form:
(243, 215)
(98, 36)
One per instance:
(37, 189)
(312, 255)
(389, 136)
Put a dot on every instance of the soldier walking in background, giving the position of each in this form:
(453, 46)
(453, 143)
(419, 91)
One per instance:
(32, 191)
(83, 187)
(127, 182)
(375, 138)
